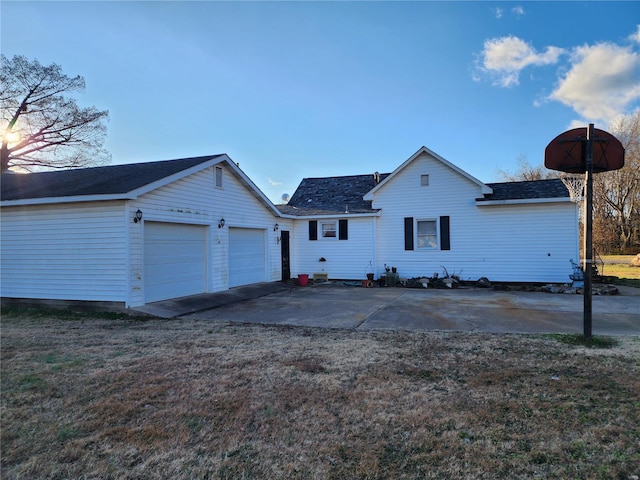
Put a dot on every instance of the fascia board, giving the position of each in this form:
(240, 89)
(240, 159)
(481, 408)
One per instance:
(333, 215)
(248, 183)
(131, 195)
(73, 199)
(522, 201)
(176, 176)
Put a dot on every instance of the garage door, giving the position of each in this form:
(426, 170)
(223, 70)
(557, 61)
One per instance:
(246, 256)
(174, 260)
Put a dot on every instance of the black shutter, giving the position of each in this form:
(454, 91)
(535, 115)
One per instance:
(343, 230)
(408, 233)
(445, 239)
(313, 229)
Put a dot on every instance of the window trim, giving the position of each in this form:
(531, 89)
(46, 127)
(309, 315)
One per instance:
(437, 234)
(322, 235)
(423, 177)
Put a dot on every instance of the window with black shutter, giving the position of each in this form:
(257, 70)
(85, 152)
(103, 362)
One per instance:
(313, 230)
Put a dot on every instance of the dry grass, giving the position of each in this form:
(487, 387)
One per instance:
(125, 399)
(619, 266)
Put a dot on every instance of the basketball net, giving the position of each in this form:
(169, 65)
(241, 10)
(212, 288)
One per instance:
(575, 183)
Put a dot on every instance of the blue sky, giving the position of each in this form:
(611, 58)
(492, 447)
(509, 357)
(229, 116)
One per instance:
(311, 89)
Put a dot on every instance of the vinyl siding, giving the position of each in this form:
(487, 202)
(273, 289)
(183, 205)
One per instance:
(64, 252)
(345, 259)
(531, 242)
(196, 200)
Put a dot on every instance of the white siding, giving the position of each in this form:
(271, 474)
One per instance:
(506, 243)
(345, 259)
(196, 200)
(64, 252)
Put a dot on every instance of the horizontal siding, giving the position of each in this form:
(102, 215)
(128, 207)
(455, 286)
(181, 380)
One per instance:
(64, 252)
(196, 200)
(345, 259)
(531, 242)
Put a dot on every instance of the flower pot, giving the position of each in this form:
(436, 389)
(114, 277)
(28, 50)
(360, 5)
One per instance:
(370, 277)
(303, 279)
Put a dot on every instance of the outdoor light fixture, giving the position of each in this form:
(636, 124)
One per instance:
(138, 216)
(276, 227)
(221, 224)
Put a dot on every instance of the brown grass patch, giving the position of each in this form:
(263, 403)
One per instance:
(183, 399)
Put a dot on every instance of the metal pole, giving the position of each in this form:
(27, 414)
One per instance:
(588, 237)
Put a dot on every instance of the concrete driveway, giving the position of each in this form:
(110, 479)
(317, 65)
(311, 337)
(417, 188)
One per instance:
(464, 309)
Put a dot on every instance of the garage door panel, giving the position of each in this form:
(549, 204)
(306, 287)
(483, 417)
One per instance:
(174, 260)
(246, 256)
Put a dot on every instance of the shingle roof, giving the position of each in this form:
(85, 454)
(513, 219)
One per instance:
(552, 188)
(332, 195)
(109, 180)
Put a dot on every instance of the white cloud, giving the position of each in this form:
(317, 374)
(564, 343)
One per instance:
(518, 10)
(499, 12)
(602, 82)
(273, 183)
(504, 58)
(635, 37)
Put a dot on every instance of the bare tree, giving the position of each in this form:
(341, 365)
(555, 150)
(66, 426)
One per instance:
(43, 128)
(616, 198)
(526, 172)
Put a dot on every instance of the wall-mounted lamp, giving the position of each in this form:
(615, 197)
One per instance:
(221, 223)
(276, 227)
(138, 216)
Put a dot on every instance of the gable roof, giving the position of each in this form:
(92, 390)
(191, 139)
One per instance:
(484, 188)
(526, 190)
(108, 180)
(332, 195)
(113, 182)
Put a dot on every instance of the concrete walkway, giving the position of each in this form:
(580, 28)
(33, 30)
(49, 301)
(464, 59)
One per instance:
(464, 309)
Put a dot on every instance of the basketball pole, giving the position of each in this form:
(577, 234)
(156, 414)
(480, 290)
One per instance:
(588, 237)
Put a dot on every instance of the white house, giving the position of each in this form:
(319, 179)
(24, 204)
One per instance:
(428, 215)
(74, 235)
(134, 234)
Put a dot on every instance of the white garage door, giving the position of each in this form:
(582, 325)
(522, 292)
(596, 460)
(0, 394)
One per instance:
(174, 260)
(246, 256)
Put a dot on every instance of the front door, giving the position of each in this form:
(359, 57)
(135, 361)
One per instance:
(284, 251)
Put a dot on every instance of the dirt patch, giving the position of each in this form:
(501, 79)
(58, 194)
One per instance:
(124, 399)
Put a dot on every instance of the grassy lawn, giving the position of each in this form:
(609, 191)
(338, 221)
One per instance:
(617, 270)
(117, 398)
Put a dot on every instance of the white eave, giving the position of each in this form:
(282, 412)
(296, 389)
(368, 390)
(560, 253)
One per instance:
(330, 215)
(522, 201)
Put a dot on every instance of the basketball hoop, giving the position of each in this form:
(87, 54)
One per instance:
(575, 183)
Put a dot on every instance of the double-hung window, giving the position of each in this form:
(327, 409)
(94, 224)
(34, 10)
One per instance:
(328, 229)
(427, 234)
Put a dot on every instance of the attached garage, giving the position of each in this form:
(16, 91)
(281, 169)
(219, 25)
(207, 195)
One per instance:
(247, 259)
(174, 260)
